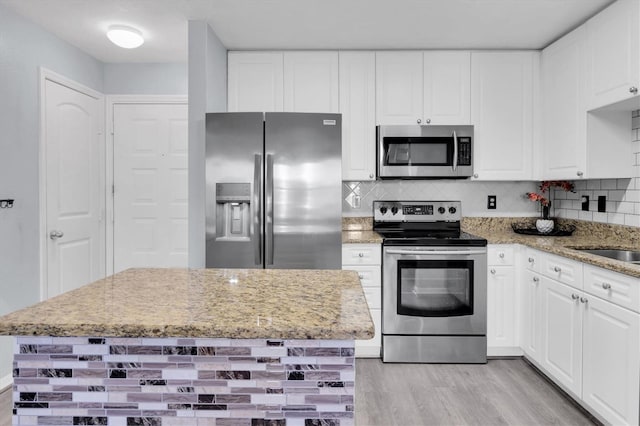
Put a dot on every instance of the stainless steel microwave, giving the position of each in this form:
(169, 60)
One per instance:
(425, 152)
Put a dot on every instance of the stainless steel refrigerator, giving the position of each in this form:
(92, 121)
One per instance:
(273, 193)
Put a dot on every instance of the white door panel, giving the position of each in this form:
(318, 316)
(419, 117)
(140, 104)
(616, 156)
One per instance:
(74, 188)
(151, 185)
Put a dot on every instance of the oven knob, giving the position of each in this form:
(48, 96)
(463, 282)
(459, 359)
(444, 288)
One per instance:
(441, 210)
(394, 210)
(452, 210)
(383, 210)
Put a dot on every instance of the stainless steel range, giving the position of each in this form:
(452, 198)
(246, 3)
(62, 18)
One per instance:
(434, 284)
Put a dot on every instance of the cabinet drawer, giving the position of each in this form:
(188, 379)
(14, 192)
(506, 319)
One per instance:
(500, 255)
(369, 275)
(361, 254)
(565, 270)
(623, 290)
(373, 296)
(532, 260)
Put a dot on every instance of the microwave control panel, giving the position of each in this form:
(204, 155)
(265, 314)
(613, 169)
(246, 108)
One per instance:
(464, 151)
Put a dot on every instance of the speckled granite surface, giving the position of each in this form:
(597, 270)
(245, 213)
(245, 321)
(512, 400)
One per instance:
(357, 223)
(213, 303)
(589, 235)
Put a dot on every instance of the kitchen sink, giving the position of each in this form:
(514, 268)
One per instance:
(632, 256)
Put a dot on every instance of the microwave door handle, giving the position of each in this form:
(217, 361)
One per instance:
(455, 151)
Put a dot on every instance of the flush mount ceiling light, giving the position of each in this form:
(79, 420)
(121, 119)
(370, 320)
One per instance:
(126, 37)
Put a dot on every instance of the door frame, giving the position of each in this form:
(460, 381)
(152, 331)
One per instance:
(111, 102)
(44, 75)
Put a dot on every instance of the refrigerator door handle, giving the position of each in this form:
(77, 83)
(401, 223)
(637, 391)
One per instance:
(257, 208)
(269, 209)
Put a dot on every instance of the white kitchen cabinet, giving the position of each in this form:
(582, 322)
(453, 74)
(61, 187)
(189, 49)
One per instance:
(399, 87)
(447, 87)
(531, 315)
(611, 361)
(311, 82)
(366, 259)
(613, 55)
(255, 81)
(502, 112)
(564, 118)
(423, 87)
(561, 334)
(357, 106)
(502, 297)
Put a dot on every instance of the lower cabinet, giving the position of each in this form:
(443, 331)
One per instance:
(531, 315)
(366, 260)
(502, 296)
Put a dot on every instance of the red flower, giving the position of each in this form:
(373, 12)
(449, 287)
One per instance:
(545, 185)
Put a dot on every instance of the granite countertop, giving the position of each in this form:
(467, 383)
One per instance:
(215, 303)
(361, 237)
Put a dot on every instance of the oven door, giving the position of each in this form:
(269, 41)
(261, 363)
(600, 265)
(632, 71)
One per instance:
(434, 291)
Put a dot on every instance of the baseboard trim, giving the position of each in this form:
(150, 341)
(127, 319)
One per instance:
(5, 382)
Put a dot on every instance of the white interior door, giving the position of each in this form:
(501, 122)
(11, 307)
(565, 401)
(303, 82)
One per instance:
(74, 188)
(150, 204)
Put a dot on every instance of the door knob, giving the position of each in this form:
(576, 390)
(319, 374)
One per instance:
(54, 235)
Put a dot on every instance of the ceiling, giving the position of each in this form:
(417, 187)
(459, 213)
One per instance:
(309, 24)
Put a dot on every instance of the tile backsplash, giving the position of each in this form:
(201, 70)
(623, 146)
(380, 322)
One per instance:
(358, 197)
(622, 195)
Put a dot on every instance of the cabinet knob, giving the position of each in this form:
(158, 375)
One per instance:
(633, 90)
(360, 254)
(606, 286)
(579, 173)
(556, 269)
(54, 235)
(428, 120)
(531, 260)
(419, 121)
(371, 176)
(536, 279)
(475, 175)
(493, 271)
(361, 276)
(575, 296)
(583, 300)
(501, 255)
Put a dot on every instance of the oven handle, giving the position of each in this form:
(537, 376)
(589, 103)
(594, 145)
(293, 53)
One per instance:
(436, 252)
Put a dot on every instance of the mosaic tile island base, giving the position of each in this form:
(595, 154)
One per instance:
(192, 347)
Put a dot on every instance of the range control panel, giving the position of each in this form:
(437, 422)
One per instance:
(416, 211)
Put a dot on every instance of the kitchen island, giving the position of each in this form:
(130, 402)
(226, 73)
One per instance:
(192, 347)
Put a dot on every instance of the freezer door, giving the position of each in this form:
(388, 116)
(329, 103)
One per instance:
(234, 173)
(303, 196)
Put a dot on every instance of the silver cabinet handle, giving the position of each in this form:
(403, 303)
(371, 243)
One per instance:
(536, 279)
(579, 173)
(584, 300)
(606, 286)
(556, 269)
(371, 176)
(475, 175)
(419, 121)
(54, 235)
(575, 296)
(257, 211)
(428, 120)
(531, 260)
(269, 203)
(493, 271)
(455, 151)
(501, 255)
(633, 90)
(361, 276)
(360, 254)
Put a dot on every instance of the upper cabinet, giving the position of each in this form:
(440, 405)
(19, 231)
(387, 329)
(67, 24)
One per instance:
(563, 114)
(357, 105)
(311, 82)
(613, 55)
(422, 87)
(502, 104)
(255, 81)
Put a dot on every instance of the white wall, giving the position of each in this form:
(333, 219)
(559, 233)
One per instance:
(623, 195)
(24, 47)
(146, 79)
(207, 93)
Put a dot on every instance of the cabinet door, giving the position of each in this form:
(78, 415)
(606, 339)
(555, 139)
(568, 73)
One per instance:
(255, 81)
(357, 105)
(611, 356)
(399, 87)
(613, 54)
(311, 82)
(501, 307)
(502, 85)
(564, 115)
(531, 315)
(447, 91)
(562, 334)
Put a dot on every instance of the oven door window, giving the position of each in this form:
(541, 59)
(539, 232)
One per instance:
(435, 288)
(418, 151)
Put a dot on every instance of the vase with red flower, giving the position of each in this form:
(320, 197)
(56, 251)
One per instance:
(545, 225)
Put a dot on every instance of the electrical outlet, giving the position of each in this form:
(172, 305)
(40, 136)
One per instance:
(602, 203)
(492, 202)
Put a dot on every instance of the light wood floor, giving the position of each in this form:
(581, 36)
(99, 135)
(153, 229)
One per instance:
(502, 392)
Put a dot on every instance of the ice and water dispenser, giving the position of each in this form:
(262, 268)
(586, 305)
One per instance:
(233, 211)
